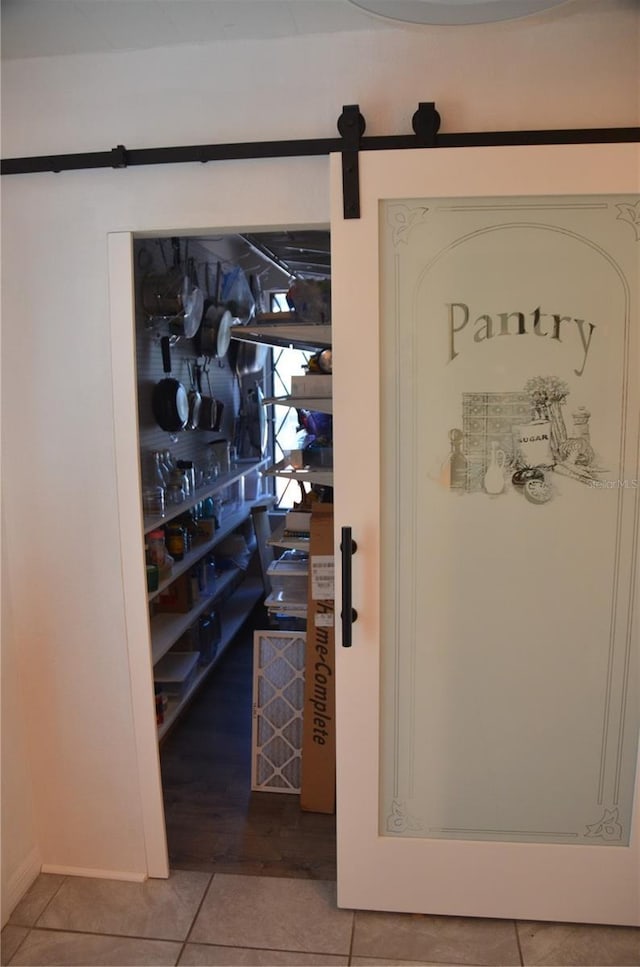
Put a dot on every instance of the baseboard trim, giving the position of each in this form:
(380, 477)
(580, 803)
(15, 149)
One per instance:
(95, 874)
(19, 883)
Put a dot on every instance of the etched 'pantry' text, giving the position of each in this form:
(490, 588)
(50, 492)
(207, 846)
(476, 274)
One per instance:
(549, 325)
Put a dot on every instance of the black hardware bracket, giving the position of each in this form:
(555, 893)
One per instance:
(426, 124)
(351, 126)
(119, 155)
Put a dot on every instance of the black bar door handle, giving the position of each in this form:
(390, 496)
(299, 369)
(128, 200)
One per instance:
(349, 614)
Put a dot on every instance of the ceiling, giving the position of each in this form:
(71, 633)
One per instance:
(45, 28)
(455, 12)
(302, 254)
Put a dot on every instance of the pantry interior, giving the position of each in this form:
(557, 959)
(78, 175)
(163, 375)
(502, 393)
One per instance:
(233, 360)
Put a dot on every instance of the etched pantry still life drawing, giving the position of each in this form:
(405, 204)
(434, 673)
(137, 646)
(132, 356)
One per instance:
(519, 440)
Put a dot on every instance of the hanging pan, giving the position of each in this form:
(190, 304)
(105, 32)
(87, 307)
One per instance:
(194, 306)
(215, 333)
(195, 398)
(209, 408)
(212, 339)
(170, 402)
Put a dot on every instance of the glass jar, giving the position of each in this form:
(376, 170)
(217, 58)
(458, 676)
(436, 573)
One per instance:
(179, 476)
(160, 471)
(175, 494)
(211, 466)
(153, 501)
(186, 466)
(168, 461)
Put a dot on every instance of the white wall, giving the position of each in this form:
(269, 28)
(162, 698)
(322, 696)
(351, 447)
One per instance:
(20, 854)
(67, 640)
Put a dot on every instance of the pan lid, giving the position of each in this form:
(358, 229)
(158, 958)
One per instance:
(193, 311)
(224, 333)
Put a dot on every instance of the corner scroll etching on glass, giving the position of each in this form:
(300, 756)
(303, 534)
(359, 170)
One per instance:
(608, 827)
(403, 219)
(628, 212)
(400, 820)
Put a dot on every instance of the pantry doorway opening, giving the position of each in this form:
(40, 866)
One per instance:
(215, 819)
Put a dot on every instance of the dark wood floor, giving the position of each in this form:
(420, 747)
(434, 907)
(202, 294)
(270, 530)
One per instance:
(214, 822)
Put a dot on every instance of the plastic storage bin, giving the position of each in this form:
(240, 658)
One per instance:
(288, 576)
(176, 672)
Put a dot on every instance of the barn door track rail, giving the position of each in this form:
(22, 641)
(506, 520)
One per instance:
(352, 140)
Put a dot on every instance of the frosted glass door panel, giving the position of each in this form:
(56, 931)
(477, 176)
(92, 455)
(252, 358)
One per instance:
(509, 518)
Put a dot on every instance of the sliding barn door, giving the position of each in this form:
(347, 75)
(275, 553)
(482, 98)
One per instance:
(486, 377)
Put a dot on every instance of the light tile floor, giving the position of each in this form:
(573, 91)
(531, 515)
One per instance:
(226, 919)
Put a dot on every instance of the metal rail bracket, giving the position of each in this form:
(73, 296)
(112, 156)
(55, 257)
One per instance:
(351, 125)
(426, 124)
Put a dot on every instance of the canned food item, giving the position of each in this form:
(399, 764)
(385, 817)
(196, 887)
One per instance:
(153, 575)
(175, 542)
(157, 548)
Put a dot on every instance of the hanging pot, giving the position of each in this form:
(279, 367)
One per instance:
(165, 295)
(174, 296)
(250, 358)
(215, 333)
(170, 403)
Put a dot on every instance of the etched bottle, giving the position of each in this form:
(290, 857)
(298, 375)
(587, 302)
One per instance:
(457, 462)
(494, 476)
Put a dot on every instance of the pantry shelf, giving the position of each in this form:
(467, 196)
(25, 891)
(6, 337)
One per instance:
(221, 482)
(296, 336)
(315, 475)
(319, 404)
(167, 628)
(229, 524)
(294, 542)
(236, 612)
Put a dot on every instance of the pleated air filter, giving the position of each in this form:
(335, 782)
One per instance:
(278, 697)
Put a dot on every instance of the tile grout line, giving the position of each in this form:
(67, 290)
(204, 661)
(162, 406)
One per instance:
(515, 924)
(286, 950)
(195, 917)
(33, 925)
(353, 935)
(101, 933)
(16, 951)
(50, 901)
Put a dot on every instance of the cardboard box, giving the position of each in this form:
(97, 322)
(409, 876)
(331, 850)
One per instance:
(313, 385)
(205, 529)
(177, 598)
(297, 521)
(318, 786)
